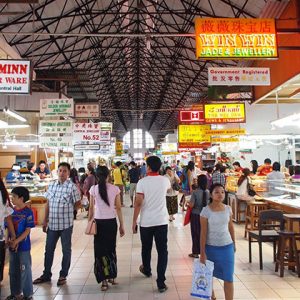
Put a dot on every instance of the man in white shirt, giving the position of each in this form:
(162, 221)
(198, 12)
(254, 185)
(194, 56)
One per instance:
(150, 203)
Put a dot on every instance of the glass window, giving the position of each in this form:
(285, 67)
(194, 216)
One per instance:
(138, 155)
(137, 138)
(126, 139)
(149, 140)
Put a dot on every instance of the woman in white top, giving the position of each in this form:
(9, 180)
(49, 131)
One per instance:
(275, 179)
(243, 185)
(105, 205)
(172, 195)
(217, 240)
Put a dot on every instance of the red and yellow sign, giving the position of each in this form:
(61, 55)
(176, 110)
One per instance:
(235, 38)
(224, 113)
(193, 134)
(229, 131)
(225, 140)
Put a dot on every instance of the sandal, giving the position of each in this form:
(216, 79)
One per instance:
(61, 281)
(112, 281)
(104, 286)
(193, 255)
(41, 279)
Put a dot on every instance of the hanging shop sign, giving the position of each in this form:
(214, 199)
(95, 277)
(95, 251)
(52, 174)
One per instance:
(239, 76)
(229, 131)
(105, 136)
(86, 147)
(53, 140)
(56, 107)
(168, 147)
(87, 110)
(186, 147)
(225, 140)
(191, 116)
(15, 76)
(86, 132)
(106, 126)
(224, 113)
(193, 134)
(235, 38)
(55, 126)
(119, 148)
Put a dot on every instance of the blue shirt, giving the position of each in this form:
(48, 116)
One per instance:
(23, 219)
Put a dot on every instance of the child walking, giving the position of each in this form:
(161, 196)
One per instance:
(19, 254)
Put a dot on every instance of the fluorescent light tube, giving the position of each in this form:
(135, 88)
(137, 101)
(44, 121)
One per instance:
(14, 114)
(6, 126)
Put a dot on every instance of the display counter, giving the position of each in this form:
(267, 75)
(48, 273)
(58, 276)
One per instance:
(37, 201)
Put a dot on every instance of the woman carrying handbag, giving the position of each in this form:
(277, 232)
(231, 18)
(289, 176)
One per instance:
(105, 205)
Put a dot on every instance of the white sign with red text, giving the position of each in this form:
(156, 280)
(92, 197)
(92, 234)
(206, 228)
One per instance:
(14, 76)
(239, 76)
(87, 110)
(86, 132)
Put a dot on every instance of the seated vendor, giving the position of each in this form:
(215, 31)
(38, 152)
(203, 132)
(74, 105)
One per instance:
(14, 174)
(265, 169)
(42, 170)
(237, 167)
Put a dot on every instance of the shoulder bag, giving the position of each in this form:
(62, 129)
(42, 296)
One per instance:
(250, 189)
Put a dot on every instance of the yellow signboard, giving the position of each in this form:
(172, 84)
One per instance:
(235, 38)
(119, 148)
(224, 113)
(224, 140)
(193, 133)
(229, 131)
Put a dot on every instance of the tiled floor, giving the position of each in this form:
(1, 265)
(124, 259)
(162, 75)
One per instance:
(250, 282)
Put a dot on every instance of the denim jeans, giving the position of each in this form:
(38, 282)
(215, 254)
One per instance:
(160, 234)
(20, 275)
(2, 258)
(51, 241)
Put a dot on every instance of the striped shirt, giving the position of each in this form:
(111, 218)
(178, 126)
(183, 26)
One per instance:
(62, 198)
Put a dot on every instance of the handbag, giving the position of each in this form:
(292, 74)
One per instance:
(91, 228)
(176, 186)
(187, 217)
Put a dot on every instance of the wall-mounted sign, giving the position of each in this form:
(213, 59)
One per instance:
(86, 132)
(55, 126)
(56, 107)
(56, 140)
(15, 76)
(225, 140)
(239, 76)
(224, 113)
(87, 110)
(235, 38)
(229, 131)
(87, 147)
(191, 116)
(194, 134)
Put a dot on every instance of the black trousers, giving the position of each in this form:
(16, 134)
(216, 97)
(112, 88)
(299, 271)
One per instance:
(195, 232)
(160, 235)
(2, 258)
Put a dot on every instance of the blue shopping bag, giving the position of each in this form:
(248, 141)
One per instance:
(202, 279)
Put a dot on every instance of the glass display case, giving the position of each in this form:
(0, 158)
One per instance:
(258, 182)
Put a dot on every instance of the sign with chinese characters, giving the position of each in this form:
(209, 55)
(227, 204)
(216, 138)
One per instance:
(193, 134)
(239, 76)
(87, 110)
(224, 113)
(56, 107)
(105, 135)
(225, 140)
(56, 141)
(55, 126)
(191, 116)
(229, 131)
(235, 38)
(86, 132)
(15, 76)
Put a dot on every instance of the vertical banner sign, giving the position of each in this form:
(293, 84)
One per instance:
(86, 132)
(56, 107)
(235, 38)
(87, 110)
(15, 76)
(119, 148)
(224, 113)
(239, 76)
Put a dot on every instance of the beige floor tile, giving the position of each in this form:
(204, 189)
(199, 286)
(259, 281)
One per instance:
(264, 294)
(288, 293)
(256, 285)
